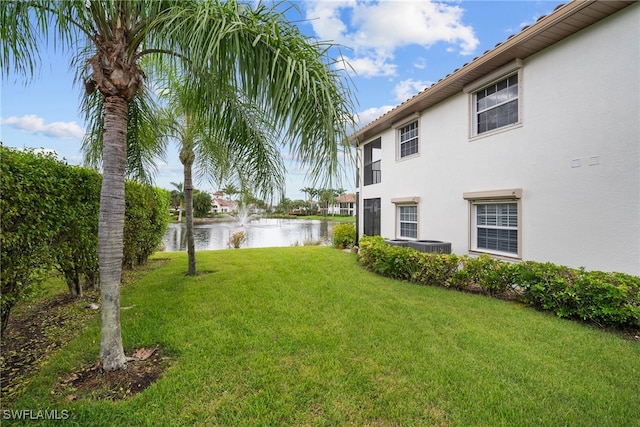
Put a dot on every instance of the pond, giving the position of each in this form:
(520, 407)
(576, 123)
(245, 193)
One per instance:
(261, 233)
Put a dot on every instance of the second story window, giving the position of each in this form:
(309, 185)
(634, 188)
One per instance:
(496, 100)
(408, 140)
(372, 158)
(496, 105)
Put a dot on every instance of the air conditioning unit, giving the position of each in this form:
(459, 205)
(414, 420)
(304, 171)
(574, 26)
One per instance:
(431, 246)
(397, 242)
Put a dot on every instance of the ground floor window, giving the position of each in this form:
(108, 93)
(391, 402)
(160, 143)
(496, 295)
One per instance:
(496, 222)
(408, 221)
(496, 227)
(371, 217)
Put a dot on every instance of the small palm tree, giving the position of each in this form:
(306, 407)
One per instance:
(230, 190)
(177, 198)
(222, 147)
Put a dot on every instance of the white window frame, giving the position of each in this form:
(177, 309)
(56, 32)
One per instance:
(414, 119)
(400, 221)
(499, 75)
(499, 197)
(372, 162)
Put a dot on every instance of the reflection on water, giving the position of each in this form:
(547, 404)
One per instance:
(260, 234)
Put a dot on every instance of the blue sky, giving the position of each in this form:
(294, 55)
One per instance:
(396, 48)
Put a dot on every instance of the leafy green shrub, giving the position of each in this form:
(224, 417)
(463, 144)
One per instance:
(405, 263)
(369, 249)
(50, 220)
(547, 286)
(611, 299)
(608, 298)
(595, 296)
(201, 204)
(491, 275)
(76, 244)
(344, 235)
(145, 221)
(435, 269)
(29, 207)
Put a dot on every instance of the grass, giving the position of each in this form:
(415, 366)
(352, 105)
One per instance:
(334, 218)
(305, 336)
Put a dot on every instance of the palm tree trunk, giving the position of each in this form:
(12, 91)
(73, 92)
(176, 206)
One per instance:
(110, 230)
(186, 158)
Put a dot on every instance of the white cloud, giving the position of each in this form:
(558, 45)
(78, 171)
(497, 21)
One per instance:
(374, 65)
(34, 124)
(367, 116)
(374, 30)
(408, 88)
(420, 63)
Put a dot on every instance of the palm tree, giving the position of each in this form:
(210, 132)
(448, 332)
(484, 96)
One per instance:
(251, 48)
(230, 190)
(240, 144)
(177, 197)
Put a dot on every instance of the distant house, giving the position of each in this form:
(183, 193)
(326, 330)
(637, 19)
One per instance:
(528, 152)
(220, 205)
(343, 205)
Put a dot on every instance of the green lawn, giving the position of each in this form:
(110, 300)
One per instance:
(304, 336)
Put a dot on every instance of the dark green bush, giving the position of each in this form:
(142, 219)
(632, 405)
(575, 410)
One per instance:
(146, 219)
(406, 264)
(30, 210)
(344, 235)
(492, 276)
(608, 299)
(595, 296)
(548, 286)
(75, 246)
(201, 204)
(50, 220)
(435, 269)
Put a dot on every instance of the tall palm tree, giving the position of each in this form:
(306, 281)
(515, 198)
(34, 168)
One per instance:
(253, 48)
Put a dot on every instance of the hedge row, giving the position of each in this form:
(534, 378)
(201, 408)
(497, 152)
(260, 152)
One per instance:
(607, 299)
(49, 216)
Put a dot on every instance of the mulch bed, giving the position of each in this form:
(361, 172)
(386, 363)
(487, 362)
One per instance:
(91, 382)
(38, 331)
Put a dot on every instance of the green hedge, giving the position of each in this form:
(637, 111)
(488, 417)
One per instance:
(145, 221)
(49, 216)
(607, 299)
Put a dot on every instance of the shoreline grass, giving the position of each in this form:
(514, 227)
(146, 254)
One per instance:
(305, 336)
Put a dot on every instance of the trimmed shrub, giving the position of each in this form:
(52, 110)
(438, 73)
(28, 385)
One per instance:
(490, 275)
(32, 189)
(607, 299)
(50, 220)
(595, 296)
(145, 221)
(435, 269)
(344, 235)
(76, 245)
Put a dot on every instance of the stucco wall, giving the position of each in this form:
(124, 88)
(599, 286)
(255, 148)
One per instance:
(580, 106)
